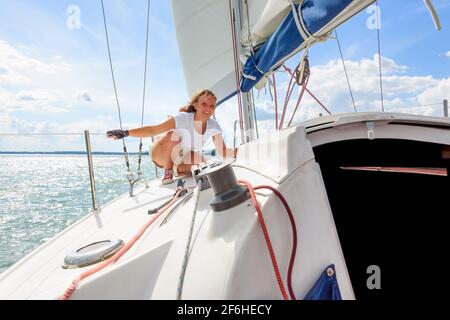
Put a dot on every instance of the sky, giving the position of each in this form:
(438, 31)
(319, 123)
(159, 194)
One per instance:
(55, 77)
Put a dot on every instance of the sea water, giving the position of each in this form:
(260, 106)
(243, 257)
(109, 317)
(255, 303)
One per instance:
(40, 195)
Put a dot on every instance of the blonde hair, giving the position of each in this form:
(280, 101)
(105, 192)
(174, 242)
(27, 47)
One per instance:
(190, 106)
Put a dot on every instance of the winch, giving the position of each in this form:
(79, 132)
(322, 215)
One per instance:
(228, 192)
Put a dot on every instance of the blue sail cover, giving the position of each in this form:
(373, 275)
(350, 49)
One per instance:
(326, 288)
(286, 38)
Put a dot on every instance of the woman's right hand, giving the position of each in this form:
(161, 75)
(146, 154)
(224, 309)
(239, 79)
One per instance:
(117, 134)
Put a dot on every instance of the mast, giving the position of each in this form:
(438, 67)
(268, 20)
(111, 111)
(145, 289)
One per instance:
(248, 106)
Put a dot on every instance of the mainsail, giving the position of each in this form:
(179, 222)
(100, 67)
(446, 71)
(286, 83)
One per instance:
(205, 44)
(269, 34)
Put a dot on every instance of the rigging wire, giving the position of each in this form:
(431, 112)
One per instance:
(143, 90)
(111, 66)
(379, 56)
(129, 174)
(145, 63)
(345, 71)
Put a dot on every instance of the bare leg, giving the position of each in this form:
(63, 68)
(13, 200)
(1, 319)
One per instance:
(165, 148)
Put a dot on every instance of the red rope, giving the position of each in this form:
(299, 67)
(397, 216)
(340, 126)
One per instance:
(286, 100)
(318, 101)
(294, 236)
(307, 90)
(267, 238)
(69, 291)
(298, 100)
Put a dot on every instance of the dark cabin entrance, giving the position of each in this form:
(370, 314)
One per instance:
(395, 220)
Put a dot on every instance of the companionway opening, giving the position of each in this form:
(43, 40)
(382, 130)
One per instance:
(390, 201)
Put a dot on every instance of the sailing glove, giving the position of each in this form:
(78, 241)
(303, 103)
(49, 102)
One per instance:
(117, 134)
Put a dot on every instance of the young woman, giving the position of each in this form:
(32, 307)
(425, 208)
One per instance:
(185, 135)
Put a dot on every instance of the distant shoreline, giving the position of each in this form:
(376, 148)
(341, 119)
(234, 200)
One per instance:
(206, 152)
(70, 152)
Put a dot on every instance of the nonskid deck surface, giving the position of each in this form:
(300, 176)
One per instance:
(40, 273)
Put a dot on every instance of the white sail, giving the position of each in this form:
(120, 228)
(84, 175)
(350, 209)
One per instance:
(205, 45)
(203, 30)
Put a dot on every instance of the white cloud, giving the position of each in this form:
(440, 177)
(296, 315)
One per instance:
(435, 93)
(448, 54)
(38, 136)
(25, 83)
(16, 67)
(402, 93)
(31, 101)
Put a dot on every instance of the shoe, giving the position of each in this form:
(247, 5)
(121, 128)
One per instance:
(168, 176)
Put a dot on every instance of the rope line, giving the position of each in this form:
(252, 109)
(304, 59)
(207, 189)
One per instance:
(294, 236)
(299, 99)
(188, 243)
(75, 282)
(307, 90)
(269, 245)
(286, 101)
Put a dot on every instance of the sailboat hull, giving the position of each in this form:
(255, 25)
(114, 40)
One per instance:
(228, 257)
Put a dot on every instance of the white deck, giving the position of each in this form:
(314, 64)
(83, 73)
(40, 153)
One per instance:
(40, 275)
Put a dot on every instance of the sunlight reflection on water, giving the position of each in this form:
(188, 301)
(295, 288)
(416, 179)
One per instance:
(40, 195)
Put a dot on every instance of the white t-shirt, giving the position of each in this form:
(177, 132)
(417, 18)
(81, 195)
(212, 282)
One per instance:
(190, 138)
